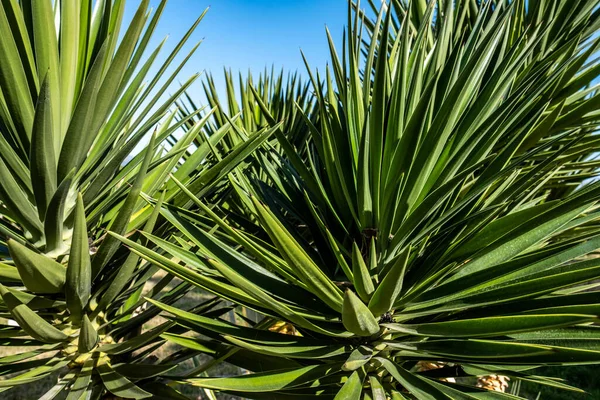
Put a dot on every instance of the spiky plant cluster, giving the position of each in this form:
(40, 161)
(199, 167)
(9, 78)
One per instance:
(416, 222)
(438, 210)
(73, 106)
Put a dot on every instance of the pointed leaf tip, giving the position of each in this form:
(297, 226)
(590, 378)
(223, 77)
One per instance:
(390, 287)
(29, 320)
(39, 273)
(362, 277)
(356, 316)
(88, 337)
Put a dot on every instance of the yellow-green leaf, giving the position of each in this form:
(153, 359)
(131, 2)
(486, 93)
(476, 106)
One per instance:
(88, 336)
(356, 316)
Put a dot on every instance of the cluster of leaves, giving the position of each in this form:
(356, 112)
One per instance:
(426, 200)
(431, 203)
(74, 105)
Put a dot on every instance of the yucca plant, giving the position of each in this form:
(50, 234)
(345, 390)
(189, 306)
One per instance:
(283, 95)
(435, 230)
(73, 106)
(241, 114)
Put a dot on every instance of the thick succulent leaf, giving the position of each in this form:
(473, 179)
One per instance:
(359, 357)
(362, 277)
(88, 336)
(55, 215)
(73, 147)
(389, 288)
(269, 381)
(471, 350)
(377, 390)
(352, 389)
(189, 343)
(79, 269)
(47, 60)
(357, 317)
(39, 273)
(513, 247)
(492, 326)
(30, 321)
(43, 161)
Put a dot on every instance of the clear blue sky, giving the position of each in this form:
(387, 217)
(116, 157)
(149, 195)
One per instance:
(250, 34)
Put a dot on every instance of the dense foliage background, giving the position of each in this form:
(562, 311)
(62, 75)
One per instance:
(416, 219)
